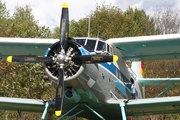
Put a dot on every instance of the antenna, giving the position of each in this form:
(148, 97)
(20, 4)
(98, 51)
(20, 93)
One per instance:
(89, 27)
(98, 34)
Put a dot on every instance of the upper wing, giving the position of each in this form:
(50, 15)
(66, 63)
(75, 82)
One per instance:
(150, 106)
(148, 47)
(24, 46)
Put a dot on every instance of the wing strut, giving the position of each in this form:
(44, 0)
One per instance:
(169, 87)
(81, 105)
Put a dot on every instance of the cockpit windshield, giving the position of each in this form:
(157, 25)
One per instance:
(90, 45)
(81, 41)
(94, 45)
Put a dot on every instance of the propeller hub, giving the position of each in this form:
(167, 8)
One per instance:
(61, 58)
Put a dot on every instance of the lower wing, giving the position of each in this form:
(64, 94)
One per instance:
(21, 104)
(150, 106)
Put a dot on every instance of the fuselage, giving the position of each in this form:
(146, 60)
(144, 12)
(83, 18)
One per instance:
(91, 84)
(114, 78)
(95, 84)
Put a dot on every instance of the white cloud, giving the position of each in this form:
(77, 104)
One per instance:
(124, 4)
(145, 4)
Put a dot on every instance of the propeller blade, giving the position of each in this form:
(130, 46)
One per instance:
(88, 59)
(64, 26)
(28, 58)
(59, 93)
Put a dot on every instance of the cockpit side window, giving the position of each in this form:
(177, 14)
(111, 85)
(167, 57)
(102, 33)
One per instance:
(101, 46)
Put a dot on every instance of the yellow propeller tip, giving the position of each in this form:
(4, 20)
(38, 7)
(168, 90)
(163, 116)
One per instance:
(65, 5)
(9, 58)
(115, 58)
(58, 113)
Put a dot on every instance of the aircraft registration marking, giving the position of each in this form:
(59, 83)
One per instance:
(97, 58)
(29, 59)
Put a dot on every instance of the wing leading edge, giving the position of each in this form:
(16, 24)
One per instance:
(156, 47)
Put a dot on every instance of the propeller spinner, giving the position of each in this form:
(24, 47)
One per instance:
(60, 59)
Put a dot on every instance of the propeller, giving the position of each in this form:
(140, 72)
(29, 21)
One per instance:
(64, 29)
(86, 59)
(61, 58)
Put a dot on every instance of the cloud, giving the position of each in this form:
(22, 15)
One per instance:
(147, 5)
(124, 4)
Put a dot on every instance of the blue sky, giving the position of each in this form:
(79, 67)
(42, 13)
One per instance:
(48, 12)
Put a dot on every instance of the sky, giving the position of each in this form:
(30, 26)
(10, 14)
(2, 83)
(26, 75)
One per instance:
(48, 12)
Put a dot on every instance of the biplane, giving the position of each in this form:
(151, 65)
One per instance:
(90, 75)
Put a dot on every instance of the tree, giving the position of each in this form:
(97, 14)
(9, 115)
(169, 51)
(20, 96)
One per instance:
(167, 20)
(22, 80)
(4, 20)
(108, 21)
(144, 21)
(23, 24)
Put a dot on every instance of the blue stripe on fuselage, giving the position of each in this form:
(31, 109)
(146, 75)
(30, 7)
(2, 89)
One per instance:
(121, 87)
(112, 69)
(84, 51)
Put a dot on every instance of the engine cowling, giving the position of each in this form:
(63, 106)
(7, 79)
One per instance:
(70, 67)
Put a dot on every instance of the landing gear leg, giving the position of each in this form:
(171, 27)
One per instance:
(45, 111)
(122, 105)
(47, 104)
